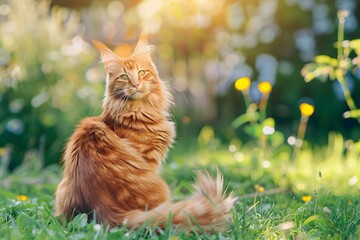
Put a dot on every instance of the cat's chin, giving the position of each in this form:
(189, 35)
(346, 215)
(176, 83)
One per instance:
(138, 95)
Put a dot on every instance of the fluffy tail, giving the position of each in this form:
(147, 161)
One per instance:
(207, 208)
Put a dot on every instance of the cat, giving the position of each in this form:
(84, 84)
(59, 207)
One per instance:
(112, 161)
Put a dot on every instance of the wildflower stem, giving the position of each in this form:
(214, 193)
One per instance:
(262, 106)
(255, 202)
(262, 141)
(341, 17)
(244, 214)
(345, 89)
(342, 68)
(300, 135)
(349, 101)
(262, 111)
(246, 98)
(250, 108)
(302, 127)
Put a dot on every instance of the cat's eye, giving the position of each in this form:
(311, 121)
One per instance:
(124, 77)
(141, 73)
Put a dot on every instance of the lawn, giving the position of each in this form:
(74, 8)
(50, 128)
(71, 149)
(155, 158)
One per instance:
(268, 207)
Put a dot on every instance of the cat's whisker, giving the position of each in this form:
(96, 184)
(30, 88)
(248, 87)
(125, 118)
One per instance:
(96, 108)
(181, 93)
(172, 78)
(124, 103)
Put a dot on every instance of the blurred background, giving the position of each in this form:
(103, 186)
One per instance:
(51, 75)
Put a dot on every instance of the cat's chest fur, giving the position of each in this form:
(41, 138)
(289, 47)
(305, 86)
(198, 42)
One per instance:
(151, 137)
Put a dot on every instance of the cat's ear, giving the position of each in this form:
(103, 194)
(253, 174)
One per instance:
(110, 59)
(143, 49)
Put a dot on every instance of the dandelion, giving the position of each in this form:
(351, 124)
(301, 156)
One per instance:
(306, 109)
(186, 119)
(306, 198)
(259, 188)
(174, 238)
(242, 84)
(265, 87)
(22, 198)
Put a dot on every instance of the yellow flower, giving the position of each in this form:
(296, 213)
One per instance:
(174, 238)
(259, 188)
(186, 119)
(306, 198)
(242, 84)
(306, 109)
(22, 198)
(265, 87)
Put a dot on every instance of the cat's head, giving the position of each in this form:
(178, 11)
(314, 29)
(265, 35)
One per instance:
(133, 77)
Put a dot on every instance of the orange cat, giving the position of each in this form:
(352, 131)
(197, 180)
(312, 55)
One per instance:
(112, 162)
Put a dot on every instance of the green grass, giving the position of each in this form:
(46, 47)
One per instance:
(267, 217)
(275, 212)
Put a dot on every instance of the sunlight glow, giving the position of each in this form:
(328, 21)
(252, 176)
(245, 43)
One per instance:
(267, 130)
(239, 157)
(291, 140)
(353, 180)
(232, 148)
(187, 14)
(266, 164)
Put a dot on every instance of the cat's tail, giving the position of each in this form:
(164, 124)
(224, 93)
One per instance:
(208, 208)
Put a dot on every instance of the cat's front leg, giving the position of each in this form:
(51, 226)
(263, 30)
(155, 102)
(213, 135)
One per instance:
(160, 139)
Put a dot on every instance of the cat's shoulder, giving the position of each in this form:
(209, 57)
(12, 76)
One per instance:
(91, 122)
(91, 125)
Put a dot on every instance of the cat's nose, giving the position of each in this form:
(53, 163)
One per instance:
(136, 85)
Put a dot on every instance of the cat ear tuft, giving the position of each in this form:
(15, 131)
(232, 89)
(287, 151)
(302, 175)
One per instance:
(99, 45)
(143, 48)
(110, 59)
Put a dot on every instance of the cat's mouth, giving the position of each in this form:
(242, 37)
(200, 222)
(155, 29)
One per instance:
(138, 94)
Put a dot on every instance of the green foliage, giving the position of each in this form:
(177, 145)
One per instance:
(352, 114)
(335, 167)
(324, 67)
(256, 215)
(296, 166)
(42, 76)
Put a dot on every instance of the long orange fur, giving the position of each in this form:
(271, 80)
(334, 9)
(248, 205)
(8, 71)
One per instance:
(112, 161)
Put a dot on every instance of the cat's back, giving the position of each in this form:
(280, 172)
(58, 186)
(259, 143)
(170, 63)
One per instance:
(91, 135)
(90, 128)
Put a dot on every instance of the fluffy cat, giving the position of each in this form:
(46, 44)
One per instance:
(112, 161)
